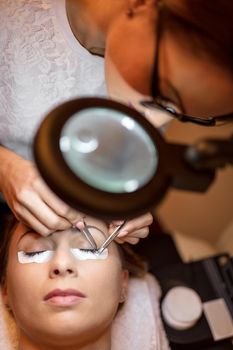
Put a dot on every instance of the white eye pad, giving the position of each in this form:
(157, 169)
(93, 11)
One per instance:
(82, 254)
(46, 255)
(35, 257)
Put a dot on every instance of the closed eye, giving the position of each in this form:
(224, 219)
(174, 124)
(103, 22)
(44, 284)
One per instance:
(39, 256)
(30, 254)
(88, 250)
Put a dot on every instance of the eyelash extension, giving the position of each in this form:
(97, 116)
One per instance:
(30, 254)
(88, 250)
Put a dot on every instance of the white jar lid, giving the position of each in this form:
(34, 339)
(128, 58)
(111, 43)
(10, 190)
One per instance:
(181, 307)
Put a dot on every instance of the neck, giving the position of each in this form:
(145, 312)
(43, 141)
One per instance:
(103, 342)
(90, 21)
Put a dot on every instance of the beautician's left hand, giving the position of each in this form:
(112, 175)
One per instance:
(134, 229)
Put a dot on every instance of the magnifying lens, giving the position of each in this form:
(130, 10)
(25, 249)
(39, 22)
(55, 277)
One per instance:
(105, 159)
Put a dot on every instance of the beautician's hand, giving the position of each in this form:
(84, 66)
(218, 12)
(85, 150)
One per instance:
(134, 229)
(30, 199)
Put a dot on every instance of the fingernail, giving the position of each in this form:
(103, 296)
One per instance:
(80, 225)
(117, 222)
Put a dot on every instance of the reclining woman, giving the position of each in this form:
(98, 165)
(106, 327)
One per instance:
(61, 293)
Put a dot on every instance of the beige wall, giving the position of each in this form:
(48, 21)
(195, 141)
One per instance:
(199, 215)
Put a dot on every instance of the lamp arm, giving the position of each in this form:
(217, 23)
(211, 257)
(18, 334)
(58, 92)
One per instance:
(210, 154)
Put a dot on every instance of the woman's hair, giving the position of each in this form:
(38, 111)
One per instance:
(206, 25)
(136, 266)
(132, 262)
(8, 224)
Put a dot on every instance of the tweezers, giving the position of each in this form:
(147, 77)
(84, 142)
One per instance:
(88, 236)
(111, 237)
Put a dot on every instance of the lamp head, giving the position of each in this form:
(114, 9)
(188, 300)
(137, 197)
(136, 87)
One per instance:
(102, 158)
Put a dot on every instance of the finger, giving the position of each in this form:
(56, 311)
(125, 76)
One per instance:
(116, 222)
(80, 225)
(80, 220)
(119, 240)
(142, 233)
(137, 223)
(56, 204)
(131, 240)
(44, 214)
(24, 216)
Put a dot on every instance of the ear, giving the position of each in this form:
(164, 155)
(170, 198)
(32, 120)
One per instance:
(124, 285)
(133, 6)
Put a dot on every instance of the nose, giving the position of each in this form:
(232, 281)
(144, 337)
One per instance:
(63, 265)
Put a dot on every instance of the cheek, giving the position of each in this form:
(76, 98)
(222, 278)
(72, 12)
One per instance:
(125, 53)
(22, 285)
(105, 280)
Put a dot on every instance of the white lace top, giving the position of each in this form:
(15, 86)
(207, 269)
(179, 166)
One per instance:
(41, 65)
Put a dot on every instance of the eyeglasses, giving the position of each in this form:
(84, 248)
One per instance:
(174, 110)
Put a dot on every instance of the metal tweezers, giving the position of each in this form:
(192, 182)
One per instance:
(88, 236)
(92, 242)
(111, 237)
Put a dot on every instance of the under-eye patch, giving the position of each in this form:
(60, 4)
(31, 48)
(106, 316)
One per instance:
(35, 257)
(45, 256)
(88, 254)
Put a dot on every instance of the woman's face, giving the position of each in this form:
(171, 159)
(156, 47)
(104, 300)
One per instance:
(204, 88)
(63, 298)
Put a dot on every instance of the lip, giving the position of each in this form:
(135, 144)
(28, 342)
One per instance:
(64, 297)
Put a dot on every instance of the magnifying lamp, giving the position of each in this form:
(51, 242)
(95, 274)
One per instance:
(105, 159)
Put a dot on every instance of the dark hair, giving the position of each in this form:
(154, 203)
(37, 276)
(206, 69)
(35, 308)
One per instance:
(132, 262)
(7, 228)
(136, 266)
(209, 25)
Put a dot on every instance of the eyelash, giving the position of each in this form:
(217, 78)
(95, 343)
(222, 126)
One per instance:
(88, 250)
(30, 254)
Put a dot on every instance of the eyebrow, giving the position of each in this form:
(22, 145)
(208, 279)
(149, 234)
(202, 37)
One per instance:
(29, 230)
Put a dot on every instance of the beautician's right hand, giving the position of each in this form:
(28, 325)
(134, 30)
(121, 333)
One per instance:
(30, 199)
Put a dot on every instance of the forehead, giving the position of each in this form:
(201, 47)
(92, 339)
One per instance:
(95, 227)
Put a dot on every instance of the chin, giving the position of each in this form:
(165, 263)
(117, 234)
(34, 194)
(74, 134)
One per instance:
(69, 334)
(62, 333)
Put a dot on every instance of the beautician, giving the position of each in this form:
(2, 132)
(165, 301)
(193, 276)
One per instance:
(173, 54)
(41, 65)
